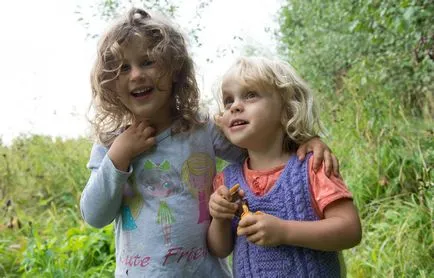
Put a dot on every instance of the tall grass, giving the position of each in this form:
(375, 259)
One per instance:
(42, 234)
(387, 160)
(397, 241)
(387, 163)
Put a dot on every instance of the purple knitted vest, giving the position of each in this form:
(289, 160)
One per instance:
(289, 199)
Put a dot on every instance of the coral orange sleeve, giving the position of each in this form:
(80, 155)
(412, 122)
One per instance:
(325, 190)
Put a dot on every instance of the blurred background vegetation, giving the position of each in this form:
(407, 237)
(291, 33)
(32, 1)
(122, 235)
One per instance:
(371, 64)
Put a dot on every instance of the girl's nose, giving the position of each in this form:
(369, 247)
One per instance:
(237, 107)
(136, 73)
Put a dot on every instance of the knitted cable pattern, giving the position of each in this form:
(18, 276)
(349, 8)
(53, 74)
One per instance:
(289, 199)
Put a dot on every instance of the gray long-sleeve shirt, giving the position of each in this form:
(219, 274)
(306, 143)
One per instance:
(160, 206)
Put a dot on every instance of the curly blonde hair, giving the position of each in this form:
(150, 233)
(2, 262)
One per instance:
(168, 48)
(300, 116)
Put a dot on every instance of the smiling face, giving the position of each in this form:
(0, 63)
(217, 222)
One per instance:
(141, 87)
(252, 115)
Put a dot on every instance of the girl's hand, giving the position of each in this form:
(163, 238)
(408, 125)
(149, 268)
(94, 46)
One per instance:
(261, 229)
(219, 206)
(137, 138)
(321, 152)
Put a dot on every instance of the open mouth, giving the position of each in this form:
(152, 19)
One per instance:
(238, 123)
(142, 92)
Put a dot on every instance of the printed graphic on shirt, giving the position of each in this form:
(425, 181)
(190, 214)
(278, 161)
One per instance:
(131, 205)
(197, 173)
(179, 256)
(161, 181)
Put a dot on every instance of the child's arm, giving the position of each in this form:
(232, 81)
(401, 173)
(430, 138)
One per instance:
(219, 237)
(321, 153)
(339, 230)
(101, 199)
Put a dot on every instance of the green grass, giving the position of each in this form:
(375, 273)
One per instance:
(41, 181)
(388, 168)
(397, 239)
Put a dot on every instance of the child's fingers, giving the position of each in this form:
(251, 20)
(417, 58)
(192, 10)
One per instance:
(149, 142)
(328, 163)
(301, 152)
(255, 238)
(247, 229)
(336, 166)
(222, 189)
(222, 204)
(224, 192)
(220, 212)
(331, 164)
(148, 131)
(133, 125)
(143, 132)
(228, 216)
(142, 125)
(218, 199)
(318, 158)
(136, 127)
(247, 220)
(221, 207)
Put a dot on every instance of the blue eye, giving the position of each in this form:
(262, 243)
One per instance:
(166, 185)
(251, 94)
(147, 63)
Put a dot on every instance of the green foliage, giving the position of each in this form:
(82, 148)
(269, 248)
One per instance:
(42, 234)
(77, 253)
(391, 40)
(377, 92)
(397, 240)
(46, 171)
(371, 64)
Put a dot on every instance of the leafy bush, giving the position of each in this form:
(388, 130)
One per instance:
(371, 64)
(41, 179)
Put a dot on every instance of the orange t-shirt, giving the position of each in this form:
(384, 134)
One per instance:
(324, 190)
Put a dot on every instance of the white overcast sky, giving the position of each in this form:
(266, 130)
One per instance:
(46, 58)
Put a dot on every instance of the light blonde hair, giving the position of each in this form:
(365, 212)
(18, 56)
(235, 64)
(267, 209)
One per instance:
(200, 164)
(168, 48)
(300, 116)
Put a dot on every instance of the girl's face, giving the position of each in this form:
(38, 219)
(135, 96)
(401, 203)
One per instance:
(141, 88)
(251, 118)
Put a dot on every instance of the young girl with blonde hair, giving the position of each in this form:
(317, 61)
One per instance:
(295, 220)
(148, 125)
